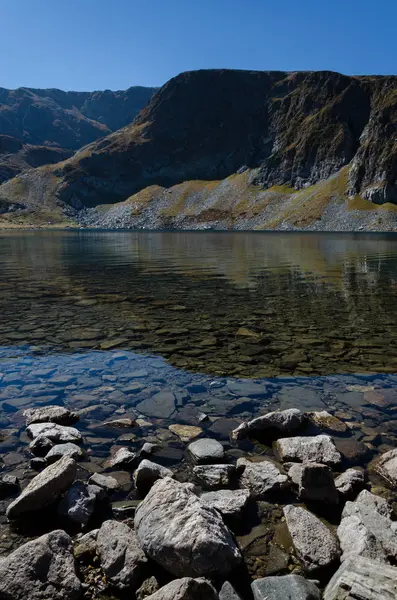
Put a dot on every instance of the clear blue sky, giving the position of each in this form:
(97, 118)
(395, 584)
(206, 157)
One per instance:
(98, 44)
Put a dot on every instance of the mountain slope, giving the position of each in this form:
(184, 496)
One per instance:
(284, 129)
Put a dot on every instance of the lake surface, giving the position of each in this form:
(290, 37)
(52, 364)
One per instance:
(175, 327)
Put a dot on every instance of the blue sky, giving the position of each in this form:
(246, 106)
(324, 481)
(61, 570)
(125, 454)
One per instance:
(99, 44)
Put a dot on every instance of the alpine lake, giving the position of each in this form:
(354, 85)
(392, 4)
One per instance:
(203, 329)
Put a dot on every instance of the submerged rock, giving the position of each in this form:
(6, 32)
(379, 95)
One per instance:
(120, 555)
(186, 432)
(367, 530)
(261, 478)
(55, 433)
(316, 546)
(147, 473)
(45, 488)
(206, 450)
(40, 570)
(182, 534)
(230, 503)
(273, 425)
(213, 476)
(362, 579)
(186, 589)
(286, 587)
(50, 414)
(318, 449)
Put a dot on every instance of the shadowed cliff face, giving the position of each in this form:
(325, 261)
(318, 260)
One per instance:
(290, 129)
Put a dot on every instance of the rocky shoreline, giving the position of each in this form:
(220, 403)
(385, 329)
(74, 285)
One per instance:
(186, 534)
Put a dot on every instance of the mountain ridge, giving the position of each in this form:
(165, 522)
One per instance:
(293, 129)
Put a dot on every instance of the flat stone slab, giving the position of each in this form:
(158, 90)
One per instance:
(274, 424)
(230, 503)
(285, 587)
(362, 579)
(45, 488)
(50, 414)
(161, 405)
(315, 545)
(318, 449)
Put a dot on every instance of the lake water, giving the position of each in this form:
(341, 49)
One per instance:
(172, 326)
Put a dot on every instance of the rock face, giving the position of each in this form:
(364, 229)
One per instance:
(120, 556)
(317, 484)
(350, 483)
(318, 449)
(363, 579)
(271, 426)
(183, 535)
(205, 451)
(386, 466)
(316, 546)
(45, 488)
(229, 503)
(286, 587)
(147, 473)
(186, 589)
(213, 476)
(261, 478)
(50, 414)
(55, 433)
(367, 530)
(41, 569)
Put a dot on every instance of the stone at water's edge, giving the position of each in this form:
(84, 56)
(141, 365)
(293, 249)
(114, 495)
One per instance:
(274, 424)
(123, 458)
(362, 579)
(120, 555)
(56, 433)
(230, 503)
(286, 587)
(186, 589)
(79, 502)
(206, 450)
(50, 414)
(317, 484)
(316, 546)
(41, 570)
(147, 473)
(367, 530)
(45, 488)
(261, 478)
(386, 466)
(318, 449)
(213, 476)
(60, 450)
(183, 535)
(350, 483)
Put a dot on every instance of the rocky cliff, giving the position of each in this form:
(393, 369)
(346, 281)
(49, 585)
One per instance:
(289, 132)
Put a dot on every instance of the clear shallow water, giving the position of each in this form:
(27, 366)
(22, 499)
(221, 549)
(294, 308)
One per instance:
(223, 325)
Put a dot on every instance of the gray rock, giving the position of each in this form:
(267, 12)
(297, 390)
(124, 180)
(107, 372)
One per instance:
(386, 466)
(206, 450)
(228, 592)
(148, 587)
(366, 529)
(350, 483)
(285, 587)
(315, 545)
(294, 471)
(317, 484)
(41, 446)
(120, 555)
(274, 424)
(362, 579)
(85, 545)
(55, 433)
(147, 473)
(60, 450)
(261, 478)
(327, 422)
(186, 589)
(212, 477)
(319, 449)
(40, 570)
(123, 458)
(45, 488)
(182, 534)
(161, 405)
(8, 486)
(148, 449)
(230, 503)
(106, 482)
(50, 414)
(79, 502)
